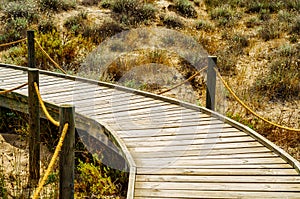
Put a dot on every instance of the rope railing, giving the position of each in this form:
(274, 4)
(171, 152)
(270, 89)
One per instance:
(185, 81)
(52, 161)
(13, 89)
(249, 109)
(48, 56)
(13, 42)
(49, 117)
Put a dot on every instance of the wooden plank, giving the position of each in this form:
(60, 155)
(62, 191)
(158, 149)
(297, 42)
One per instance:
(175, 130)
(150, 193)
(208, 156)
(216, 179)
(208, 152)
(213, 171)
(194, 147)
(219, 186)
(177, 142)
(191, 136)
(131, 126)
(197, 161)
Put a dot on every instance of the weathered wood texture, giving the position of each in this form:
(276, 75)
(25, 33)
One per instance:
(175, 149)
(67, 154)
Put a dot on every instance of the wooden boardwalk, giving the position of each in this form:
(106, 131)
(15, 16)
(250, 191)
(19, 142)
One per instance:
(173, 149)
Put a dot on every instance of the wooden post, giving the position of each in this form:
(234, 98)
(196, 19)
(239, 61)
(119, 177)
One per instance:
(34, 114)
(31, 50)
(34, 128)
(67, 154)
(211, 83)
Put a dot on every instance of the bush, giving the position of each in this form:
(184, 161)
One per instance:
(295, 28)
(99, 181)
(98, 33)
(224, 15)
(14, 29)
(57, 5)
(90, 2)
(270, 30)
(16, 9)
(203, 25)
(283, 80)
(46, 26)
(133, 12)
(75, 23)
(172, 21)
(185, 8)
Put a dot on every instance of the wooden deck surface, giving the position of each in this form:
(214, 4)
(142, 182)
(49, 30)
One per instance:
(174, 149)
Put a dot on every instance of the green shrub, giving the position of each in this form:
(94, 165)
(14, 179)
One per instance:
(224, 15)
(132, 12)
(26, 9)
(203, 25)
(252, 22)
(99, 181)
(295, 27)
(270, 5)
(46, 26)
(75, 23)
(283, 80)
(90, 2)
(185, 8)
(14, 29)
(106, 4)
(57, 5)
(270, 30)
(98, 33)
(172, 21)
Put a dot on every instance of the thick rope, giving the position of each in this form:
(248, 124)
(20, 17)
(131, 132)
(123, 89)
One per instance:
(11, 43)
(13, 89)
(249, 109)
(185, 81)
(48, 56)
(52, 162)
(49, 117)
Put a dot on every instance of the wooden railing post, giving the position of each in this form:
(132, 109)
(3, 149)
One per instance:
(211, 83)
(31, 50)
(67, 154)
(34, 114)
(34, 127)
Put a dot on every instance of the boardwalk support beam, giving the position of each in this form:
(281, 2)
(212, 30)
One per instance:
(67, 155)
(34, 128)
(211, 83)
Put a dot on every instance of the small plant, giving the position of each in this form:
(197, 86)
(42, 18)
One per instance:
(90, 2)
(203, 25)
(106, 4)
(95, 180)
(75, 23)
(133, 12)
(283, 80)
(185, 8)
(46, 26)
(252, 22)
(270, 30)
(295, 27)
(26, 9)
(224, 15)
(56, 5)
(173, 21)
(14, 29)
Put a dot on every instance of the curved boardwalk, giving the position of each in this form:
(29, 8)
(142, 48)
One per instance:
(173, 149)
